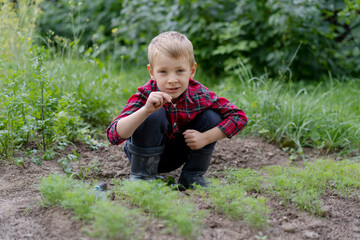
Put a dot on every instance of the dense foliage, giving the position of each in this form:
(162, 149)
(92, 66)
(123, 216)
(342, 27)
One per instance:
(30, 110)
(49, 101)
(309, 37)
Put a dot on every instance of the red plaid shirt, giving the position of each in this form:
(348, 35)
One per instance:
(196, 99)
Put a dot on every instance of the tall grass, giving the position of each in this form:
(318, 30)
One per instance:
(17, 29)
(324, 116)
(103, 87)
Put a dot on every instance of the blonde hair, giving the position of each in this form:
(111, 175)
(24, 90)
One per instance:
(173, 44)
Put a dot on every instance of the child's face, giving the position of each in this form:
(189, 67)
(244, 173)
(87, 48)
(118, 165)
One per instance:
(172, 74)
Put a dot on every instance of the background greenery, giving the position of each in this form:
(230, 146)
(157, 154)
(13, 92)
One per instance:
(312, 37)
(73, 86)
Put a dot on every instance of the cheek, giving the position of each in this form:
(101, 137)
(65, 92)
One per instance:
(160, 85)
(185, 83)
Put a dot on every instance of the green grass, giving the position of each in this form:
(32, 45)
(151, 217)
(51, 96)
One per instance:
(324, 116)
(16, 30)
(102, 87)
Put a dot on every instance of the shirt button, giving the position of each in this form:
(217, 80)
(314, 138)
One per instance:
(174, 105)
(174, 124)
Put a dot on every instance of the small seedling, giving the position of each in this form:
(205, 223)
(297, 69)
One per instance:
(232, 200)
(161, 201)
(106, 220)
(19, 161)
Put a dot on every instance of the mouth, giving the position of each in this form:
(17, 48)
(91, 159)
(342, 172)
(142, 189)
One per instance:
(173, 90)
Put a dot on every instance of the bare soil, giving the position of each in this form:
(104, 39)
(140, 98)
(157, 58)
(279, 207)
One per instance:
(23, 217)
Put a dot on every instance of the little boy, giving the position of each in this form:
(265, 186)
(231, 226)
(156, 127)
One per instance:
(173, 120)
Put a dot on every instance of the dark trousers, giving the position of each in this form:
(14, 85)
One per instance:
(151, 135)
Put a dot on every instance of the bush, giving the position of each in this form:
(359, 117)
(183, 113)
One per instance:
(308, 37)
(86, 23)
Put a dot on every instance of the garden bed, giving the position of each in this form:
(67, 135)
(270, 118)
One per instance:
(24, 217)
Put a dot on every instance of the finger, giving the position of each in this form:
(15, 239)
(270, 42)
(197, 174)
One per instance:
(188, 132)
(187, 136)
(158, 95)
(159, 100)
(165, 96)
(156, 101)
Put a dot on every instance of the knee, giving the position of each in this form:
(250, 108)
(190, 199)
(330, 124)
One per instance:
(207, 120)
(156, 122)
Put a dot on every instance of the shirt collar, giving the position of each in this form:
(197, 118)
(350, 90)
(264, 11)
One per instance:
(186, 96)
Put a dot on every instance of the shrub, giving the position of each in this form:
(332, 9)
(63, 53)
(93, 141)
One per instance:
(308, 37)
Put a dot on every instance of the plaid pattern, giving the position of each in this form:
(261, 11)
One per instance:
(196, 99)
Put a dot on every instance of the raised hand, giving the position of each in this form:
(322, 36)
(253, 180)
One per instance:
(156, 100)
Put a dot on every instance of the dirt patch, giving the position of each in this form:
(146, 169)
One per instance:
(23, 217)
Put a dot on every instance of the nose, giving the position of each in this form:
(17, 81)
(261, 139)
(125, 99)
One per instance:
(172, 79)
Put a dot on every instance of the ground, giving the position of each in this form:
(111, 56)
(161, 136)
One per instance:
(23, 217)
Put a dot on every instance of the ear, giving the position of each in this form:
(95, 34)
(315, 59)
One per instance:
(151, 72)
(193, 70)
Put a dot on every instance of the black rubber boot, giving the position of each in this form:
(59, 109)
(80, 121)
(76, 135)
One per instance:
(195, 167)
(144, 162)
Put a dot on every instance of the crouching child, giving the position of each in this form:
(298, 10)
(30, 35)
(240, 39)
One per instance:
(173, 120)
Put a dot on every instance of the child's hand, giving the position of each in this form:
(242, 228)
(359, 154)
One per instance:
(156, 100)
(194, 139)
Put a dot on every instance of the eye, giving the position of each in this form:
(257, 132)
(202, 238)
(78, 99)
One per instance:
(162, 72)
(181, 71)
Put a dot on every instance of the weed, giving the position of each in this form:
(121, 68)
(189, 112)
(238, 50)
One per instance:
(17, 28)
(49, 154)
(65, 163)
(19, 161)
(69, 126)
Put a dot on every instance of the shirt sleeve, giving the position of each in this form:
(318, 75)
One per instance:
(134, 103)
(234, 119)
